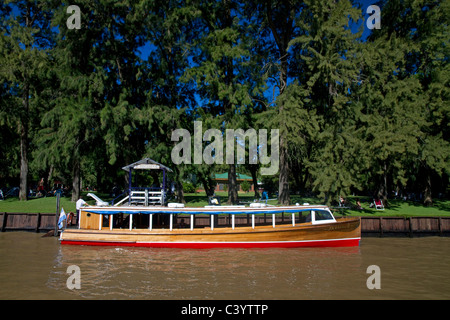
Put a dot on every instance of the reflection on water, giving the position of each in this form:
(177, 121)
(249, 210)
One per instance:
(33, 267)
(203, 274)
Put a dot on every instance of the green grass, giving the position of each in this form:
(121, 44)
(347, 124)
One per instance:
(400, 208)
(397, 208)
(42, 205)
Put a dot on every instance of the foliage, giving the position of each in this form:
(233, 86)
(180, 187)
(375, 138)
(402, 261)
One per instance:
(188, 187)
(357, 113)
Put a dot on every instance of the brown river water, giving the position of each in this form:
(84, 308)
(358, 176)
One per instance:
(34, 267)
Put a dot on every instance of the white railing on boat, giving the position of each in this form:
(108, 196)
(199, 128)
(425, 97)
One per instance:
(313, 218)
(146, 197)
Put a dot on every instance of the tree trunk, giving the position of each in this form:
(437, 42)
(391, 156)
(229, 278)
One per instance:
(282, 31)
(76, 181)
(179, 186)
(428, 201)
(232, 185)
(383, 190)
(253, 169)
(23, 189)
(180, 192)
(208, 185)
(23, 131)
(283, 181)
(49, 177)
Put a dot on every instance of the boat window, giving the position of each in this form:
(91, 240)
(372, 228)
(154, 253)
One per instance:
(323, 215)
(305, 216)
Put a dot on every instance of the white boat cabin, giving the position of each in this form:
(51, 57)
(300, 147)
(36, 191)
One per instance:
(174, 215)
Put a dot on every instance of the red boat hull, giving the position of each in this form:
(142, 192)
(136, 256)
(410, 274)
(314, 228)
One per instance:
(206, 245)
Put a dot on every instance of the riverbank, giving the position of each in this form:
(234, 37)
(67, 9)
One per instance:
(397, 208)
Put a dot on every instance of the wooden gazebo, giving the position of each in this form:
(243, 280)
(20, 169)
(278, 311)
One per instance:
(146, 196)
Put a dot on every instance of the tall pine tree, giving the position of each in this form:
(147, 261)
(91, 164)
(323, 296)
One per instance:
(24, 45)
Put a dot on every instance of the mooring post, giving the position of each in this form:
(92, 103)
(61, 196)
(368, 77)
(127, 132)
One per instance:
(410, 227)
(58, 195)
(381, 226)
(4, 222)
(38, 221)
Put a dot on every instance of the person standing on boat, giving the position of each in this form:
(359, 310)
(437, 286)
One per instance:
(79, 204)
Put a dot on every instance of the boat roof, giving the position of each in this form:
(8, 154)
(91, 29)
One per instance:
(146, 163)
(202, 210)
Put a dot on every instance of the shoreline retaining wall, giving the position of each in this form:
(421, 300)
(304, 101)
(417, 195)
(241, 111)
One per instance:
(370, 226)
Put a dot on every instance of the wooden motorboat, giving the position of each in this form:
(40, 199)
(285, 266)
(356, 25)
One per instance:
(308, 226)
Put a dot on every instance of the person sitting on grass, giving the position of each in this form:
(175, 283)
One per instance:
(341, 201)
(358, 205)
